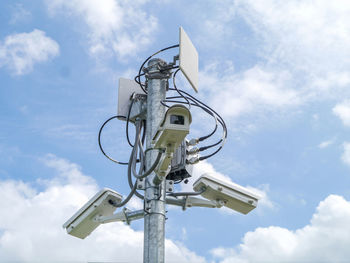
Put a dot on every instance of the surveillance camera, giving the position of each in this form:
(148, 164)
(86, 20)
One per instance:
(82, 223)
(231, 195)
(170, 134)
(174, 127)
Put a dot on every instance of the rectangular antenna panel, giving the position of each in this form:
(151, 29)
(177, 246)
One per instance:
(126, 88)
(188, 59)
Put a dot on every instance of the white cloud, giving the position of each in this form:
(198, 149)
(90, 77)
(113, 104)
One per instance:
(256, 89)
(325, 144)
(19, 52)
(310, 35)
(19, 14)
(302, 55)
(325, 239)
(31, 228)
(346, 154)
(122, 27)
(342, 110)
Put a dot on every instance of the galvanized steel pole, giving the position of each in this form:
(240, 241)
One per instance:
(154, 221)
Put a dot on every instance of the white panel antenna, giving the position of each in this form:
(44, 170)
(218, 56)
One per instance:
(188, 59)
(126, 88)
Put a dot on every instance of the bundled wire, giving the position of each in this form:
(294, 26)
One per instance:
(127, 122)
(127, 199)
(127, 119)
(222, 140)
(133, 156)
(133, 159)
(178, 91)
(170, 99)
(221, 121)
(190, 100)
(132, 186)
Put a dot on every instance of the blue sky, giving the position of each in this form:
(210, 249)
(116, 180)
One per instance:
(278, 73)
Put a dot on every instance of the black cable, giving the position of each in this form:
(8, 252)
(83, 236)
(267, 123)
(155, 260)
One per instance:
(134, 152)
(153, 166)
(195, 104)
(162, 102)
(99, 140)
(210, 134)
(138, 146)
(127, 199)
(144, 132)
(221, 121)
(203, 108)
(209, 146)
(220, 118)
(127, 122)
(210, 155)
(168, 68)
(178, 91)
(138, 81)
(132, 161)
(131, 184)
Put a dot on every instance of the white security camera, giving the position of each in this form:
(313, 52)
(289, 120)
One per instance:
(83, 222)
(170, 134)
(174, 127)
(231, 195)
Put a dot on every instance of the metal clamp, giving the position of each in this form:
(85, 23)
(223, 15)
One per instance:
(125, 215)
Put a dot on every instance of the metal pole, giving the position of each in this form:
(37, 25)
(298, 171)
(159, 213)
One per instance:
(154, 221)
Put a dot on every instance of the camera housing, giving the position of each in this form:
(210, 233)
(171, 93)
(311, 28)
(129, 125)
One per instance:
(83, 222)
(232, 195)
(170, 134)
(174, 127)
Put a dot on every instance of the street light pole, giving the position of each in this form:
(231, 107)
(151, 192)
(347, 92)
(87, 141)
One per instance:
(154, 202)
